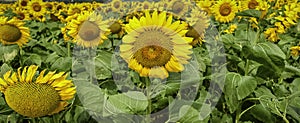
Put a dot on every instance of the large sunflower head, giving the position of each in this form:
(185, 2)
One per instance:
(155, 45)
(89, 29)
(13, 31)
(38, 96)
(225, 10)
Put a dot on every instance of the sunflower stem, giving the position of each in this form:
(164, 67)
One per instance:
(148, 111)
(69, 49)
(21, 56)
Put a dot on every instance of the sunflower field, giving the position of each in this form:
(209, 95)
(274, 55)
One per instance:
(155, 61)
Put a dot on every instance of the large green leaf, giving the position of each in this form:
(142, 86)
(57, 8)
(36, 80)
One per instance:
(268, 54)
(262, 114)
(62, 64)
(103, 65)
(130, 102)
(246, 86)
(231, 82)
(90, 96)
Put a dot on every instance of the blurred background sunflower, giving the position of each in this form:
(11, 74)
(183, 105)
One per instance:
(155, 45)
(36, 96)
(199, 22)
(89, 29)
(13, 31)
(225, 10)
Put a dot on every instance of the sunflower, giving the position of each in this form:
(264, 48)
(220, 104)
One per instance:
(37, 8)
(205, 5)
(178, 7)
(36, 96)
(155, 45)
(89, 29)
(199, 22)
(22, 14)
(116, 27)
(13, 31)
(116, 5)
(271, 34)
(224, 10)
(74, 8)
(295, 51)
(50, 7)
(249, 4)
(231, 29)
(146, 5)
(22, 4)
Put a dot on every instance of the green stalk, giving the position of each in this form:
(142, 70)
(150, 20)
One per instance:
(148, 89)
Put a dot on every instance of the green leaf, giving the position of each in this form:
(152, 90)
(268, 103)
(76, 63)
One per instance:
(268, 54)
(103, 65)
(4, 68)
(263, 91)
(8, 52)
(32, 59)
(90, 96)
(231, 83)
(246, 86)
(189, 114)
(262, 114)
(62, 64)
(250, 13)
(130, 102)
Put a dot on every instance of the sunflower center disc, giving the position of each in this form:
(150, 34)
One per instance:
(36, 7)
(31, 99)
(21, 16)
(24, 3)
(76, 10)
(151, 56)
(192, 33)
(177, 7)
(89, 31)
(117, 5)
(115, 28)
(252, 4)
(49, 6)
(10, 33)
(225, 9)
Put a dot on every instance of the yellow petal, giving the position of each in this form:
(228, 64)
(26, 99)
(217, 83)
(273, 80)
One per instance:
(3, 83)
(145, 72)
(56, 76)
(30, 73)
(6, 75)
(125, 47)
(158, 72)
(24, 74)
(128, 39)
(162, 18)
(148, 18)
(155, 18)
